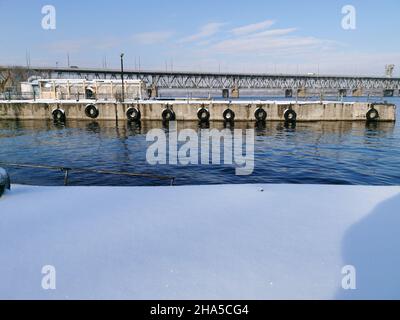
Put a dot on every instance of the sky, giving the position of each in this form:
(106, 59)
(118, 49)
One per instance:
(229, 36)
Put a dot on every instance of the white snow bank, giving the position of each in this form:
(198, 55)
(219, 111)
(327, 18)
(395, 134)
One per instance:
(205, 242)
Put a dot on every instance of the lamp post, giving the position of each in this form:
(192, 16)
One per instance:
(122, 77)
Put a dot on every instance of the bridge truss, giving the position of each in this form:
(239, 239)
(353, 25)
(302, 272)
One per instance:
(197, 80)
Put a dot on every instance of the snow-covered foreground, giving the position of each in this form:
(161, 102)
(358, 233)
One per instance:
(200, 242)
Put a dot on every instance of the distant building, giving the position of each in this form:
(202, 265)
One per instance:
(73, 89)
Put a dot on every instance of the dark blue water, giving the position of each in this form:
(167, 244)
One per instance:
(351, 153)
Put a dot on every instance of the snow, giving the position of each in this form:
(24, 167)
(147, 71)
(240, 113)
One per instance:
(200, 242)
(182, 101)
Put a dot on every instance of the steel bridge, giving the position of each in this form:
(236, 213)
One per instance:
(209, 80)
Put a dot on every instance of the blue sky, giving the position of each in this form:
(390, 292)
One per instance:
(232, 36)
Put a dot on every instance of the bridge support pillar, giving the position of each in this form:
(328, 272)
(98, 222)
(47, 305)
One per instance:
(342, 92)
(152, 92)
(388, 93)
(235, 92)
(225, 93)
(358, 92)
(288, 93)
(301, 92)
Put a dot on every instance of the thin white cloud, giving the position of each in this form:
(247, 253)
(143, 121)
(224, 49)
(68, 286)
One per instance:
(255, 47)
(267, 42)
(260, 46)
(205, 31)
(154, 37)
(272, 33)
(252, 27)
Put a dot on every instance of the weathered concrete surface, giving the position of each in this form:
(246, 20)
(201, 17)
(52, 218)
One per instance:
(187, 110)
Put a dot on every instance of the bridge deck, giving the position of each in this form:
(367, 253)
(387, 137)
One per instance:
(215, 80)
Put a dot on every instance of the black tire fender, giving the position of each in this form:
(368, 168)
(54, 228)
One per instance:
(91, 111)
(203, 114)
(168, 115)
(133, 114)
(59, 115)
(290, 115)
(372, 114)
(260, 114)
(229, 115)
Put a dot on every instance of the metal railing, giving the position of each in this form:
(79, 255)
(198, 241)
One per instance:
(67, 170)
(9, 96)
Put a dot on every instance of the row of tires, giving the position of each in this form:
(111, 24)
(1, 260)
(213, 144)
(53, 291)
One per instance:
(203, 114)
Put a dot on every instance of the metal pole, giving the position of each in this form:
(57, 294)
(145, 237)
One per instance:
(122, 77)
(66, 172)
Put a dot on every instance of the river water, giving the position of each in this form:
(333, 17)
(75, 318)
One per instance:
(351, 153)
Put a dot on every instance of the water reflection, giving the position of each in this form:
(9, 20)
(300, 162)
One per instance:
(337, 152)
(142, 127)
(93, 127)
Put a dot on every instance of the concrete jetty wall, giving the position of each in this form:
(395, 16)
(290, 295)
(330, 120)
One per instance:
(187, 110)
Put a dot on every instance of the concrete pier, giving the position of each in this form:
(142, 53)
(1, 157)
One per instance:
(188, 110)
